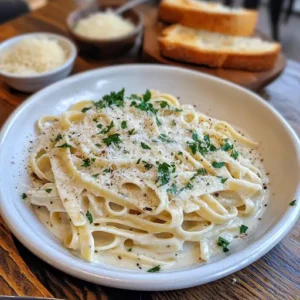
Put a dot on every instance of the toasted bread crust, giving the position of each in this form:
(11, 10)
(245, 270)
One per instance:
(239, 24)
(219, 59)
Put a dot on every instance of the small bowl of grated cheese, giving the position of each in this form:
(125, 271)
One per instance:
(101, 34)
(32, 61)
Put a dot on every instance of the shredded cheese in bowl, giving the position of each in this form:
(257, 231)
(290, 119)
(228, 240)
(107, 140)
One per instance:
(33, 55)
(104, 25)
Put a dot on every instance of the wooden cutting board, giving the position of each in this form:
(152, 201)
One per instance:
(250, 80)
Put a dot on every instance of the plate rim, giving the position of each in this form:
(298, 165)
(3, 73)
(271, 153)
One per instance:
(132, 280)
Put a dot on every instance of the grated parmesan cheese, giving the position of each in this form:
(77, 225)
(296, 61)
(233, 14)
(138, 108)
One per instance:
(104, 25)
(32, 56)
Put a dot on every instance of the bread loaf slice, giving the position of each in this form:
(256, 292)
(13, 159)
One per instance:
(217, 50)
(208, 16)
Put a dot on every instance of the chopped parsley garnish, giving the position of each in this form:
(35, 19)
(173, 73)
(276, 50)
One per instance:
(138, 161)
(87, 162)
(202, 146)
(164, 104)
(144, 105)
(98, 145)
(165, 138)
(58, 137)
(158, 123)
(113, 98)
(193, 147)
(95, 120)
(218, 165)
(177, 109)
(112, 139)
(164, 173)
(234, 154)
(129, 249)
(89, 217)
(147, 96)
(135, 97)
(200, 171)
(180, 153)
(223, 180)
(124, 124)
(145, 146)
(96, 175)
(154, 269)
(48, 191)
(107, 170)
(24, 196)
(99, 126)
(85, 109)
(293, 203)
(108, 128)
(223, 243)
(173, 189)
(213, 148)
(131, 132)
(189, 186)
(147, 165)
(65, 145)
(243, 229)
(226, 146)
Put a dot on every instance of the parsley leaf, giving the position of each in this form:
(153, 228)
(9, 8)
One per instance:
(108, 128)
(154, 269)
(195, 136)
(193, 147)
(147, 165)
(24, 196)
(243, 229)
(293, 203)
(95, 120)
(223, 180)
(131, 132)
(189, 186)
(124, 124)
(138, 161)
(158, 123)
(107, 170)
(112, 139)
(65, 145)
(218, 165)
(85, 109)
(99, 126)
(163, 173)
(165, 138)
(58, 138)
(145, 106)
(234, 154)
(89, 217)
(200, 171)
(87, 162)
(180, 153)
(48, 191)
(173, 189)
(213, 148)
(145, 146)
(227, 146)
(223, 243)
(164, 104)
(114, 98)
(147, 96)
(129, 249)
(96, 175)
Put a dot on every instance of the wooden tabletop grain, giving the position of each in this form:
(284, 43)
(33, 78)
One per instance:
(275, 276)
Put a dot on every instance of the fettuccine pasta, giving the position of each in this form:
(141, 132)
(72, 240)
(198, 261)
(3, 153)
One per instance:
(144, 182)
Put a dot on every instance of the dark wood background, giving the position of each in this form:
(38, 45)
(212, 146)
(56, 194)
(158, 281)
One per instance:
(275, 276)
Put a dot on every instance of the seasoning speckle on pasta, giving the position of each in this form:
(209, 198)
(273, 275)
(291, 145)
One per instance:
(141, 180)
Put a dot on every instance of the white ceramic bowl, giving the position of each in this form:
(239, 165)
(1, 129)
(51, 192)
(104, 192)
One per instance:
(33, 83)
(223, 100)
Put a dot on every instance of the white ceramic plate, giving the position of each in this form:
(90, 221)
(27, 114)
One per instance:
(218, 98)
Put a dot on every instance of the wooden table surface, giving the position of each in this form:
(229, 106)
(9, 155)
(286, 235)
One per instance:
(275, 276)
